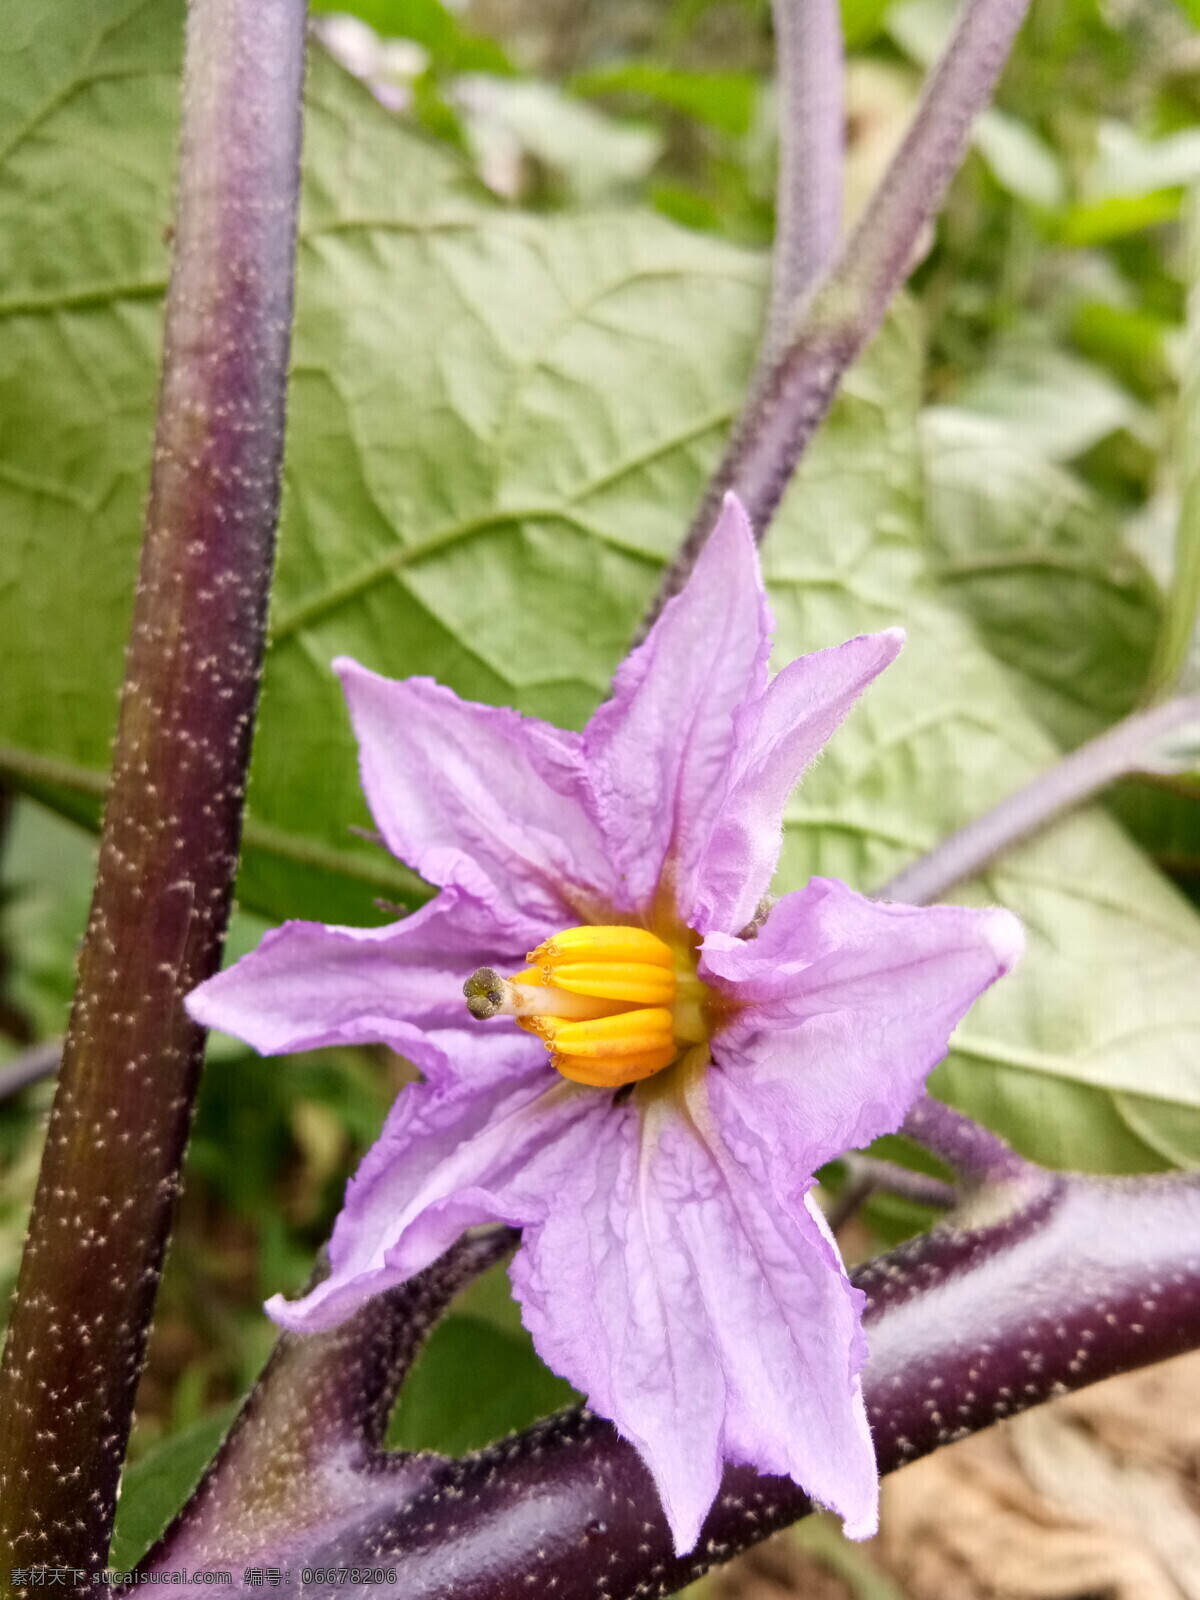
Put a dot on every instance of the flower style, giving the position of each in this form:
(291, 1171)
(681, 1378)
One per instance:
(663, 1071)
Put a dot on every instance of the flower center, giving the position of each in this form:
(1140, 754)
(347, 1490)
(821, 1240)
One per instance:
(611, 1004)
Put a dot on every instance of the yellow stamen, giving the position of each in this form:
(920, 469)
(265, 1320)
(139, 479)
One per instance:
(628, 1033)
(636, 981)
(613, 1005)
(602, 944)
(610, 1072)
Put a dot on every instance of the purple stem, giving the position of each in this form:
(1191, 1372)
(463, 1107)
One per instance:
(132, 1057)
(887, 1177)
(965, 1327)
(306, 1449)
(810, 80)
(1123, 749)
(1066, 1281)
(784, 410)
(979, 1156)
(867, 1175)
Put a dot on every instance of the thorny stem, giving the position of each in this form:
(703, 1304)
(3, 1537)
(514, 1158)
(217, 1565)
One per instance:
(132, 1057)
(783, 412)
(1126, 748)
(809, 76)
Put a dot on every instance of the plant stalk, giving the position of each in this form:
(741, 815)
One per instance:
(978, 1156)
(307, 1447)
(965, 1326)
(810, 82)
(868, 1175)
(1059, 1282)
(784, 409)
(1122, 749)
(132, 1057)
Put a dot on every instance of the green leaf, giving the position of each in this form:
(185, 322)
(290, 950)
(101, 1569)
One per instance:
(1020, 161)
(1172, 1131)
(921, 27)
(48, 867)
(1099, 221)
(1128, 164)
(478, 1377)
(1164, 816)
(594, 155)
(1031, 556)
(473, 1383)
(153, 1490)
(1177, 638)
(427, 23)
(498, 425)
(862, 20)
(723, 100)
(1133, 344)
(1057, 403)
(1133, 183)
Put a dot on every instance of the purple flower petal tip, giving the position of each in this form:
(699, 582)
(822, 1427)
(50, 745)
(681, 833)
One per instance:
(672, 1266)
(896, 636)
(734, 513)
(1006, 935)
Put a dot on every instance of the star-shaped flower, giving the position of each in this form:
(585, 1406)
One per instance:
(659, 1076)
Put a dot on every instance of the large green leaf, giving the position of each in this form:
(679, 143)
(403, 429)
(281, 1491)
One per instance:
(499, 424)
(1028, 552)
(87, 133)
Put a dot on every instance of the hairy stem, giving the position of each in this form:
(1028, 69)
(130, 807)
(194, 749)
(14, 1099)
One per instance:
(1060, 1282)
(783, 411)
(889, 1178)
(132, 1057)
(1125, 748)
(965, 1326)
(809, 75)
(867, 1175)
(307, 1445)
(976, 1154)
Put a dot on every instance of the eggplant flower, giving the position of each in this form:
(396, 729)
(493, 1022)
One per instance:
(646, 1070)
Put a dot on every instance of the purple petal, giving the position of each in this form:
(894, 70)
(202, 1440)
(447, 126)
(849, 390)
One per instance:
(461, 1150)
(309, 985)
(847, 1005)
(777, 736)
(658, 750)
(457, 787)
(707, 1322)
